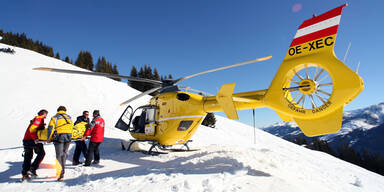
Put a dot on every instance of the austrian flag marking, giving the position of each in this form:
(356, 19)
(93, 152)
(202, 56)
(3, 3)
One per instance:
(317, 27)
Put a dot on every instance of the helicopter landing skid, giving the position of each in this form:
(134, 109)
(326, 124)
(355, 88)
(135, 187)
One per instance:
(155, 146)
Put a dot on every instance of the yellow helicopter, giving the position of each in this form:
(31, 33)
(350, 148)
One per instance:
(311, 88)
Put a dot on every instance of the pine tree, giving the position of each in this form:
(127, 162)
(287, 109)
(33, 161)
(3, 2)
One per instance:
(141, 85)
(365, 159)
(147, 73)
(156, 75)
(49, 52)
(300, 141)
(101, 65)
(347, 153)
(80, 60)
(57, 55)
(116, 72)
(67, 59)
(133, 73)
(84, 60)
(109, 67)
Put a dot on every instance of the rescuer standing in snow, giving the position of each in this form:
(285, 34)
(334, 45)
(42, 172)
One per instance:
(60, 132)
(30, 144)
(96, 130)
(81, 147)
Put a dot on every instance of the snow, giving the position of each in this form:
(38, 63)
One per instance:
(229, 157)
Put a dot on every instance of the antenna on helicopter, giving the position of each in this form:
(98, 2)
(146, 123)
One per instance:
(346, 52)
(357, 68)
(254, 126)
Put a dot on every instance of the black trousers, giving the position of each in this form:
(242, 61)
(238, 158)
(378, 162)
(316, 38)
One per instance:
(29, 148)
(81, 147)
(93, 150)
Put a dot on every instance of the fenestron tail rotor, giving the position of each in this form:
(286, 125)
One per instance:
(310, 87)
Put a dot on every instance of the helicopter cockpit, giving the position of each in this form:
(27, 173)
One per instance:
(142, 120)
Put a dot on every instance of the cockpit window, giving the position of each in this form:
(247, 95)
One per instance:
(150, 115)
(184, 125)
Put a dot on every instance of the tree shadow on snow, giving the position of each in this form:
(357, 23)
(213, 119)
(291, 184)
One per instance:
(143, 165)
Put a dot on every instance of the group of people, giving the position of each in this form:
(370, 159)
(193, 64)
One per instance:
(59, 131)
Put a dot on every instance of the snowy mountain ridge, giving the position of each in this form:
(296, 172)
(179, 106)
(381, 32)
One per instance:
(227, 159)
(361, 128)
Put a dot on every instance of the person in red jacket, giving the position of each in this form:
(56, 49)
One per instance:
(30, 143)
(96, 130)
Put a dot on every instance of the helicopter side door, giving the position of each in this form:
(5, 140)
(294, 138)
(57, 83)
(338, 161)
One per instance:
(125, 119)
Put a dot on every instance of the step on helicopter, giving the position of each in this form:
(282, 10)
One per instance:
(310, 88)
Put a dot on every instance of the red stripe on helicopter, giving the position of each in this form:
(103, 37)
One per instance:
(332, 13)
(319, 26)
(316, 35)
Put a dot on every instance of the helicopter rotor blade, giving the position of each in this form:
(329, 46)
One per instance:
(222, 68)
(140, 95)
(98, 74)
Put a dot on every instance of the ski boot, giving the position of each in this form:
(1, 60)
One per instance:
(95, 162)
(32, 173)
(61, 178)
(25, 178)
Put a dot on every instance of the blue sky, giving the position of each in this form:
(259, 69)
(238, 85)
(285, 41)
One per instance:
(182, 37)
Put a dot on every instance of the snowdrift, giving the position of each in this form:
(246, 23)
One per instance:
(228, 159)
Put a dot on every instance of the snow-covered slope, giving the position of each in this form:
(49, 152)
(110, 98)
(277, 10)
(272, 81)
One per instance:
(26, 91)
(362, 128)
(228, 159)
